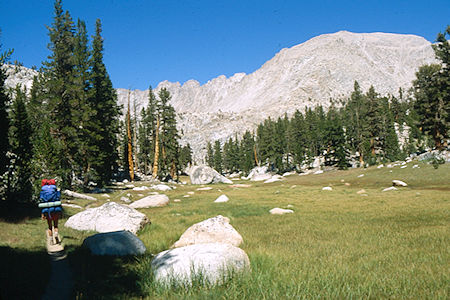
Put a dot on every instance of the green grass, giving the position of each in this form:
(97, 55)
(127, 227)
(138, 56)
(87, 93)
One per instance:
(336, 244)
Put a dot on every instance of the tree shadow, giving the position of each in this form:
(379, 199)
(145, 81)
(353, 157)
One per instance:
(18, 212)
(24, 273)
(104, 277)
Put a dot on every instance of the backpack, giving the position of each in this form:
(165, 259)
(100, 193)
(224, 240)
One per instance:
(49, 196)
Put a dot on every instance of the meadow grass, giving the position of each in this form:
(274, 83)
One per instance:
(336, 244)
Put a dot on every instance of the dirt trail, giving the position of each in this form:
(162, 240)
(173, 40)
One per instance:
(61, 281)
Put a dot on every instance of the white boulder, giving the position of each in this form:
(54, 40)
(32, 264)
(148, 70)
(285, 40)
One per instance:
(107, 218)
(222, 198)
(327, 188)
(151, 201)
(140, 188)
(212, 261)
(212, 230)
(206, 175)
(120, 243)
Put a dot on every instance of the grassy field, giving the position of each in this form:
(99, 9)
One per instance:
(336, 244)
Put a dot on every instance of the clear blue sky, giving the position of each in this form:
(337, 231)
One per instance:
(147, 42)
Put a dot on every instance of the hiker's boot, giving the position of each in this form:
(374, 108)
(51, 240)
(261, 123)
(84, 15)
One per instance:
(57, 239)
(49, 238)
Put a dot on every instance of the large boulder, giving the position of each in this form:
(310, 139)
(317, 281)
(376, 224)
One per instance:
(258, 174)
(213, 262)
(120, 243)
(212, 230)
(206, 175)
(107, 218)
(159, 200)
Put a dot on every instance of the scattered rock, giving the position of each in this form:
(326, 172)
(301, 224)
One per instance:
(191, 193)
(402, 167)
(272, 179)
(107, 218)
(318, 172)
(398, 183)
(206, 188)
(206, 175)
(78, 195)
(151, 201)
(222, 198)
(256, 173)
(327, 188)
(176, 200)
(363, 191)
(347, 184)
(140, 188)
(415, 166)
(392, 188)
(290, 206)
(361, 175)
(71, 205)
(280, 211)
(261, 177)
(129, 186)
(288, 174)
(239, 185)
(161, 187)
(125, 199)
(186, 196)
(120, 243)
(293, 186)
(212, 230)
(213, 261)
(380, 166)
(105, 196)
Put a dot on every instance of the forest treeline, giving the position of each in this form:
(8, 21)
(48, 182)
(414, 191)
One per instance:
(69, 125)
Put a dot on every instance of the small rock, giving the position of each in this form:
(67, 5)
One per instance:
(363, 191)
(361, 175)
(140, 188)
(176, 200)
(207, 188)
(71, 205)
(402, 167)
(191, 193)
(280, 211)
(161, 187)
(327, 188)
(222, 198)
(347, 184)
(392, 188)
(186, 196)
(240, 185)
(398, 183)
(125, 199)
(318, 172)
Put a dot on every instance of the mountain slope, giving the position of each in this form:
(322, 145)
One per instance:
(308, 74)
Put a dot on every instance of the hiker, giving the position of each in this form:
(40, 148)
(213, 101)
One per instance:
(51, 209)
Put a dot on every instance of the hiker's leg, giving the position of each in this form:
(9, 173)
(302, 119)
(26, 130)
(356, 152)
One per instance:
(56, 217)
(49, 223)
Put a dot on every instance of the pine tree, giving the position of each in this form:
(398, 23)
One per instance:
(169, 137)
(337, 152)
(356, 112)
(432, 93)
(209, 155)
(62, 91)
(20, 139)
(103, 101)
(296, 134)
(185, 156)
(247, 147)
(4, 121)
(373, 120)
(147, 130)
(217, 158)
